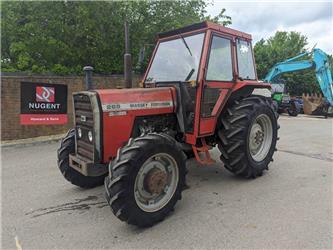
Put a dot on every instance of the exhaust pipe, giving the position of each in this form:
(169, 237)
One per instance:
(88, 77)
(127, 59)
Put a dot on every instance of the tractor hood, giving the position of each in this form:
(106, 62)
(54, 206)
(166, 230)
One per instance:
(146, 100)
(121, 107)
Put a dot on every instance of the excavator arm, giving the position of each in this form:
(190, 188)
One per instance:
(319, 62)
(323, 74)
(290, 65)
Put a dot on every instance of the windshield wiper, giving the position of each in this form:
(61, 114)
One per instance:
(189, 75)
(186, 45)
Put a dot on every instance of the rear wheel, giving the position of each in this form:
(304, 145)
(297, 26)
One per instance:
(293, 111)
(248, 136)
(67, 146)
(146, 179)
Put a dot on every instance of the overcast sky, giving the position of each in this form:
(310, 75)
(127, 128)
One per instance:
(263, 18)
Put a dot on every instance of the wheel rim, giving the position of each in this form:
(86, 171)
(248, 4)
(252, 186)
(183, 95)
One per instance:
(156, 182)
(261, 135)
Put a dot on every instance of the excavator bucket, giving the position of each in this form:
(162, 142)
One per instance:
(314, 104)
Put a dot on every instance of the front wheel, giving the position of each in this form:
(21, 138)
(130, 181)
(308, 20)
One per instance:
(248, 136)
(67, 146)
(146, 179)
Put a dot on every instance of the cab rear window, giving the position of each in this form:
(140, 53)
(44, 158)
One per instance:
(245, 60)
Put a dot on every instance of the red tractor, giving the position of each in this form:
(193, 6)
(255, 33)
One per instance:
(197, 93)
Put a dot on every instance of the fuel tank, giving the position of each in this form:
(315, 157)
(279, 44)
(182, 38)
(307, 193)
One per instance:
(120, 107)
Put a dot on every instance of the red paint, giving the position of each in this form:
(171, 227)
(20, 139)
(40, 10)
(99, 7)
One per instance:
(220, 101)
(241, 84)
(43, 119)
(201, 83)
(219, 85)
(207, 125)
(191, 139)
(117, 129)
(135, 95)
(204, 158)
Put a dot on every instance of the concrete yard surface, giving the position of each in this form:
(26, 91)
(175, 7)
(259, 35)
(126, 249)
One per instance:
(289, 207)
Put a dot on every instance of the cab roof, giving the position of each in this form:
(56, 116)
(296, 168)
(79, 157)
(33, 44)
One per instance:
(205, 26)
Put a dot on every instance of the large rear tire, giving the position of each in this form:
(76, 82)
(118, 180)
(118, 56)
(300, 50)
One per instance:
(248, 136)
(146, 179)
(67, 146)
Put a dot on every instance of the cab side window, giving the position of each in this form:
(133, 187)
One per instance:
(220, 62)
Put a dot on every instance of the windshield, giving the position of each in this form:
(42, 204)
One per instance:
(177, 60)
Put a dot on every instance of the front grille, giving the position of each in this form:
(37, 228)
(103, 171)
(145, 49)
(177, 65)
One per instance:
(84, 120)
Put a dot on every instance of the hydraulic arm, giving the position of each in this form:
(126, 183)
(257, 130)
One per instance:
(319, 62)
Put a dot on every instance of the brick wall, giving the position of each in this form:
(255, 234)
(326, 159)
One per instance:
(11, 128)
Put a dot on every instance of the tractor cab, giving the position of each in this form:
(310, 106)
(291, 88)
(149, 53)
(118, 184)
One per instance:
(206, 63)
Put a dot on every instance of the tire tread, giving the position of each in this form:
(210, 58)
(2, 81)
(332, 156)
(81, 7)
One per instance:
(235, 121)
(67, 146)
(117, 183)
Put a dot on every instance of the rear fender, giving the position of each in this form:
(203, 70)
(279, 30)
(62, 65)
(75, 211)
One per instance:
(242, 91)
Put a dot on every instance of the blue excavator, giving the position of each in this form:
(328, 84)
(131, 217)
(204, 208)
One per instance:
(312, 104)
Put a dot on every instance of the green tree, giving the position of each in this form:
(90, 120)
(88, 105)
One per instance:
(278, 48)
(62, 37)
(221, 18)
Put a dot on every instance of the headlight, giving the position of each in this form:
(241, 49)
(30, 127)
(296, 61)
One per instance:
(79, 132)
(90, 136)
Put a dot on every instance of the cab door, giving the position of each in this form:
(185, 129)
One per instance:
(217, 83)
